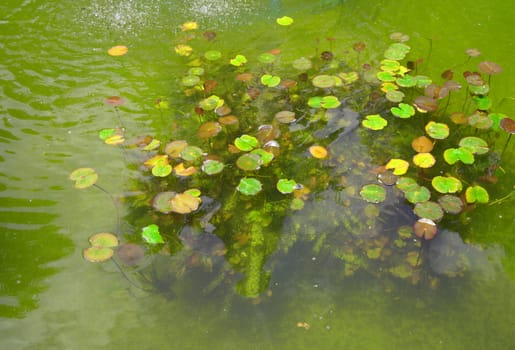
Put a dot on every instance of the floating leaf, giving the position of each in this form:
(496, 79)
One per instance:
(508, 125)
(270, 80)
(474, 144)
(437, 131)
(386, 76)
(189, 26)
(424, 160)
(151, 234)
(349, 77)
(480, 120)
(417, 194)
(489, 68)
(190, 80)
(429, 210)
(162, 169)
(373, 193)
(477, 194)
(374, 122)
(212, 167)
(209, 129)
(451, 204)
(287, 186)
(249, 162)
(483, 103)
(400, 166)
(390, 65)
(191, 153)
(181, 170)
(155, 143)
(323, 81)
(284, 21)
(329, 102)
(425, 104)
(162, 202)
(302, 64)
(403, 110)
(183, 50)
(285, 117)
(116, 139)
(174, 148)
(238, 60)
(406, 184)
(496, 120)
(446, 184)
(267, 58)
(397, 51)
(212, 55)
(130, 253)
(473, 52)
(211, 102)
(422, 144)
(318, 152)
(118, 50)
(246, 142)
(422, 81)
(97, 254)
(394, 96)
(104, 240)
(452, 155)
(406, 81)
(249, 186)
(266, 157)
(184, 203)
(83, 177)
(425, 228)
(114, 101)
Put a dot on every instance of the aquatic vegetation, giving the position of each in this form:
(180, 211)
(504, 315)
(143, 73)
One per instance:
(363, 164)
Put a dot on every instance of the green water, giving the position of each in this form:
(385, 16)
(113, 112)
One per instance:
(55, 76)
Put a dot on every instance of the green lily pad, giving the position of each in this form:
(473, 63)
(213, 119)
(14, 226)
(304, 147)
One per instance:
(266, 157)
(406, 184)
(162, 202)
(212, 167)
(483, 103)
(496, 119)
(397, 51)
(446, 184)
(438, 131)
(373, 193)
(162, 169)
(405, 232)
(406, 81)
(422, 81)
(104, 240)
(284, 21)
(211, 102)
(83, 177)
(400, 166)
(270, 80)
(213, 55)
(451, 204)
(190, 80)
(424, 160)
(249, 162)
(481, 89)
(246, 142)
(386, 76)
(403, 110)
(477, 194)
(267, 58)
(196, 71)
(429, 210)
(390, 65)
(323, 81)
(394, 96)
(287, 186)
(480, 120)
(151, 234)
(374, 122)
(238, 60)
(97, 254)
(474, 144)
(419, 194)
(349, 77)
(327, 102)
(152, 145)
(302, 64)
(452, 155)
(249, 186)
(192, 153)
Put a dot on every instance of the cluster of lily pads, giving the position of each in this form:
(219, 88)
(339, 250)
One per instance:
(258, 141)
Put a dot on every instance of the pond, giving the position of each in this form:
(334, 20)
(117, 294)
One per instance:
(322, 261)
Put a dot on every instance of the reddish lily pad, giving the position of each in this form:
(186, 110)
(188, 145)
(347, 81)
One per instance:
(425, 228)
(130, 253)
(426, 104)
(209, 129)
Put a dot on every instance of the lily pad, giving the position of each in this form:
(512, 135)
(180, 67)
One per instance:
(452, 155)
(184, 203)
(425, 104)
(429, 210)
(212, 167)
(489, 67)
(424, 160)
(192, 153)
(386, 76)
(284, 21)
(287, 186)
(174, 148)
(266, 157)
(451, 204)
(437, 131)
(480, 120)
(211, 102)
(302, 64)
(162, 202)
(418, 194)
(118, 50)
(249, 186)
(213, 55)
(104, 240)
(162, 169)
(323, 81)
(403, 110)
(97, 254)
(267, 58)
(397, 51)
(83, 177)
(285, 117)
(249, 162)
(270, 80)
(446, 184)
(483, 103)
(238, 60)
(406, 184)
(130, 253)
(394, 96)
(318, 152)
(373, 193)
(209, 129)
(374, 122)
(190, 80)
(474, 144)
(406, 81)
(477, 194)
(246, 142)
(425, 228)
(151, 234)
(400, 166)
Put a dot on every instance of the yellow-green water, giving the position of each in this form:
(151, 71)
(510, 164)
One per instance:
(55, 76)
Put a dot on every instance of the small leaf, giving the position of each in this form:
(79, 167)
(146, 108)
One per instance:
(84, 177)
(400, 166)
(425, 228)
(452, 155)
(302, 64)
(185, 203)
(318, 152)
(284, 21)
(97, 254)
(429, 210)
(437, 131)
(477, 194)
(183, 50)
(424, 160)
(403, 110)
(249, 162)
(374, 122)
(246, 142)
(104, 240)
(212, 55)
(238, 60)
(249, 186)
(451, 204)
(287, 186)
(446, 184)
(151, 234)
(270, 80)
(118, 50)
(323, 81)
(474, 144)
(418, 194)
(212, 167)
(373, 193)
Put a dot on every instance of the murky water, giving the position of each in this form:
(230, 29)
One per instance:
(55, 76)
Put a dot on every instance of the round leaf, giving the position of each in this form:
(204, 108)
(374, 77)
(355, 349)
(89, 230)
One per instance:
(302, 64)
(249, 162)
(477, 194)
(403, 110)
(374, 122)
(446, 184)
(429, 210)
(284, 21)
(184, 203)
(451, 204)
(287, 186)
(474, 144)
(323, 81)
(84, 177)
(97, 254)
(400, 166)
(212, 167)
(425, 228)
(424, 160)
(246, 142)
(373, 193)
(437, 131)
(104, 240)
(452, 155)
(418, 194)
(191, 153)
(249, 186)
(212, 55)
(151, 234)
